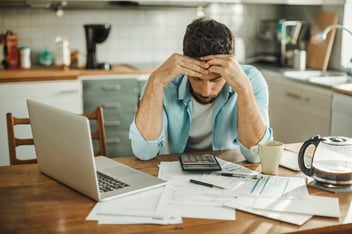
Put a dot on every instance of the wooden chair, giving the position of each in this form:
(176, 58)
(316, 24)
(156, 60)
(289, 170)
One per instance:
(98, 135)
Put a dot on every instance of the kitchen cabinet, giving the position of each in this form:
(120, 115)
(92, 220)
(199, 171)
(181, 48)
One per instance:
(118, 96)
(341, 115)
(297, 109)
(65, 94)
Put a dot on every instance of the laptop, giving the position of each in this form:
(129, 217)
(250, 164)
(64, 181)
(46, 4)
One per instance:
(65, 153)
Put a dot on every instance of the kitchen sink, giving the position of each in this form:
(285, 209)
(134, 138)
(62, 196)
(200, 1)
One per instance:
(302, 75)
(306, 75)
(330, 80)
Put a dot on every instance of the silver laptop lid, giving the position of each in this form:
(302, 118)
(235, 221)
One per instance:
(63, 147)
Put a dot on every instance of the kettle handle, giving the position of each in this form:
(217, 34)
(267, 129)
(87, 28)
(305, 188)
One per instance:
(313, 141)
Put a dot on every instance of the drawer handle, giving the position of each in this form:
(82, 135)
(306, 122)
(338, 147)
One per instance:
(111, 105)
(111, 87)
(293, 95)
(112, 123)
(113, 140)
(69, 91)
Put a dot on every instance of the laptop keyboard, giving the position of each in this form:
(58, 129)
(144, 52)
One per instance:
(108, 184)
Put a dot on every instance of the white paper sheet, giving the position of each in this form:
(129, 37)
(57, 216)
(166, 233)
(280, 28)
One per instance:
(289, 160)
(236, 188)
(268, 186)
(196, 201)
(246, 204)
(312, 205)
(134, 209)
(169, 169)
(348, 217)
(249, 190)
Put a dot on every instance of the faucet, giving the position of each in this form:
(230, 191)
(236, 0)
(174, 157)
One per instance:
(325, 34)
(331, 27)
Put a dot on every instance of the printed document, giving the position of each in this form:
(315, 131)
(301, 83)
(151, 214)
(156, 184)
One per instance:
(133, 209)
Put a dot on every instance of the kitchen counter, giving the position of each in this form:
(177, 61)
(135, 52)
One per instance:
(38, 73)
(343, 88)
(340, 86)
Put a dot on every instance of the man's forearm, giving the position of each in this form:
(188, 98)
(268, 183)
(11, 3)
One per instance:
(149, 114)
(251, 126)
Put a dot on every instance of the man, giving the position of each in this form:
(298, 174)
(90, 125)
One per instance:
(202, 100)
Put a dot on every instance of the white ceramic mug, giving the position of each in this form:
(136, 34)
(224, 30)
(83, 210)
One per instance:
(270, 154)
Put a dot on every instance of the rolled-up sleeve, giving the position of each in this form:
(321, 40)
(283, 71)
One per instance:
(143, 149)
(251, 154)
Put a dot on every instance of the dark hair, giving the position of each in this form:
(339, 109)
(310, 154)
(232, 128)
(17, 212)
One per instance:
(205, 37)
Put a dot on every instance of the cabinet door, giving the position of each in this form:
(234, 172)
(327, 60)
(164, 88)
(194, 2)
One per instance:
(341, 115)
(119, 97)
(297, 110)
(63, 94)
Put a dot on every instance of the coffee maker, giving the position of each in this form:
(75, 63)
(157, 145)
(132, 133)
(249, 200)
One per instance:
(95, 33)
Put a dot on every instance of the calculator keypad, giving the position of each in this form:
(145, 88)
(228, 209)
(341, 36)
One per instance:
(205, 162)
(199, 159)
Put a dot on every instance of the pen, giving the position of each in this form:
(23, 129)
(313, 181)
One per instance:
(240, 175)
(205, 184)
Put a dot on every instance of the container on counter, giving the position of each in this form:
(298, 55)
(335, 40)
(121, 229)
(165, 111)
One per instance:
(62, 53)
(46, 58)
(299, 59)
(11, 50)
(25, 57)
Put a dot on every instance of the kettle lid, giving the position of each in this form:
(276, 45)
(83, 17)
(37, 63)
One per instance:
(337, 140)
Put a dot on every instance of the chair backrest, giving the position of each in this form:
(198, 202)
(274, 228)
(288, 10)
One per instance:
(98, 135)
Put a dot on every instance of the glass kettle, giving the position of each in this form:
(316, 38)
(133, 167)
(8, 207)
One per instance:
(331, 162)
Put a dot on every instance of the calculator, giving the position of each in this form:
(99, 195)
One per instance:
(204, 162)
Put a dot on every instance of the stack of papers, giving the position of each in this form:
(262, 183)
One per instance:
(277, 197)
(136, 208)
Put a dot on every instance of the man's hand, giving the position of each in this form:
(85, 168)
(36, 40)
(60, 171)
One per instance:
(229, 69)
(178, 64)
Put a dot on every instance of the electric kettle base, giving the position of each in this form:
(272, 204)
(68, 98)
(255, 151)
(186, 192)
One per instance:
(330, 188)
(330, 183)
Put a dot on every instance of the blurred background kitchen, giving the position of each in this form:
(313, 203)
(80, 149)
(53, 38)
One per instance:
(310, 91)
(144, 33)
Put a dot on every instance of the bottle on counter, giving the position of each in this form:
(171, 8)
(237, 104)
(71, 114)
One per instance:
(25, 57)
(11, 50)
(62, 53)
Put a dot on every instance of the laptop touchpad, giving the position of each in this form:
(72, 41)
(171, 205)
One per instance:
(118, 171)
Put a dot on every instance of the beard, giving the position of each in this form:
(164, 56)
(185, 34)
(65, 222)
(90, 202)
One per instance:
(202, 99)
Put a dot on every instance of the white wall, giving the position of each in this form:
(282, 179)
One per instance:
(137, 36)
(140, 36)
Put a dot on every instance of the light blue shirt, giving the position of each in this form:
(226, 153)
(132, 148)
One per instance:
(177, 114)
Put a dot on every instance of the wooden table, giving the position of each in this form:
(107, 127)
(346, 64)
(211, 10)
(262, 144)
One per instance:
(30, 202)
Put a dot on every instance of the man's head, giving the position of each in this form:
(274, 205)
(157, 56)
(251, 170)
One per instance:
(207, 37)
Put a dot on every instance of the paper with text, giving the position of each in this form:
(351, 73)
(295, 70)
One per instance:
(134, 209)
(196, 201)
